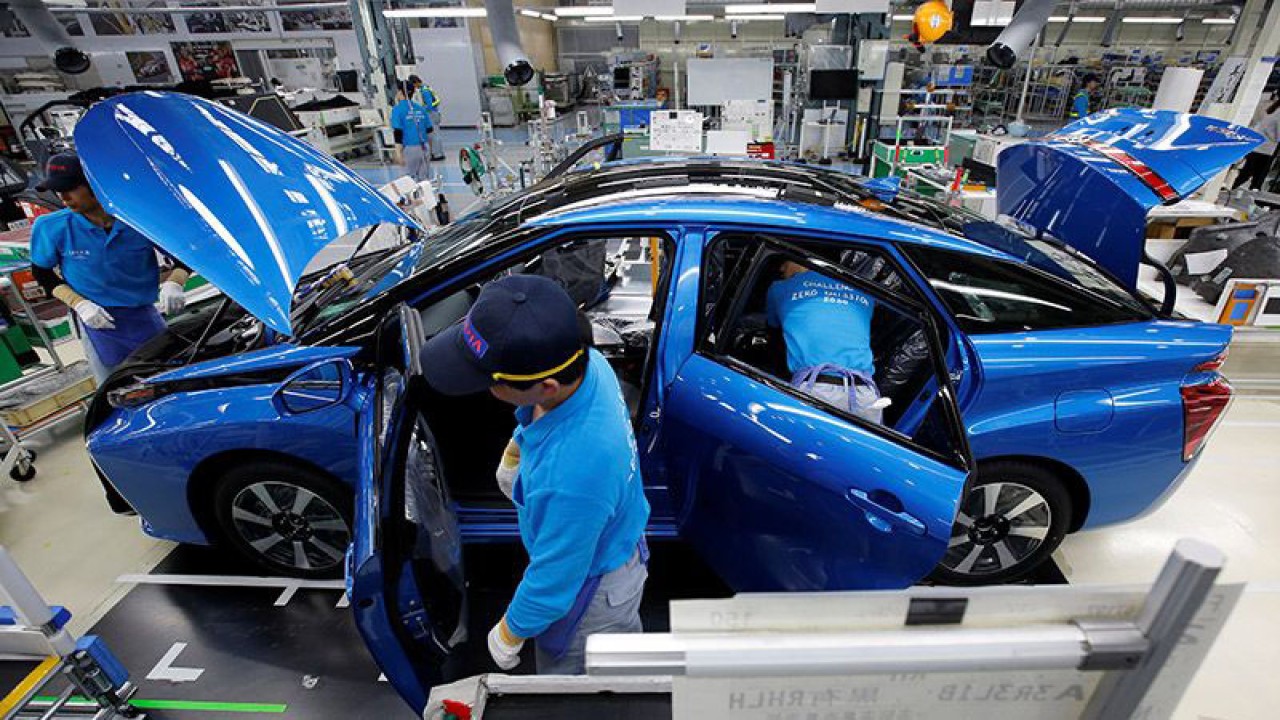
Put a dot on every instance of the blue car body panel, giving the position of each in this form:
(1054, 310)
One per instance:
(1065, 186)
(284, 355)
(150, 453)
(243, 203)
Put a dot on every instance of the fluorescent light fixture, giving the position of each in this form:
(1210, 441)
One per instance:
(750, 9)
(1218, 21)
(584, 11)
(684, 18)
(759, 17)
(530, 13)
(1083, 19)
(1151, 20)
(992, 22)
(615, 18)
(449, 12)
(547, 17)
(908, 18)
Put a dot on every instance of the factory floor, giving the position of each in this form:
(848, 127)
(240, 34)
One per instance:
(74, 549)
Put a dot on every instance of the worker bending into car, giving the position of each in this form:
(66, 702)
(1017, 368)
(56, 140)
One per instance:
(827, 328)
(103, 269)
(574, 468)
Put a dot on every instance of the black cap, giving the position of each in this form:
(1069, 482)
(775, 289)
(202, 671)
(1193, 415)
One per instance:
(414, 80)
(521, 328)
(1089, 78)
(63, 173)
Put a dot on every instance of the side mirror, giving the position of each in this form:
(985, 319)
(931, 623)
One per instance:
(314, 387)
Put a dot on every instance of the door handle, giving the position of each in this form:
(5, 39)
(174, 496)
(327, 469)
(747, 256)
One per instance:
(901, 518)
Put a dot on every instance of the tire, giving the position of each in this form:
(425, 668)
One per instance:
(257, 511)
(989, 548)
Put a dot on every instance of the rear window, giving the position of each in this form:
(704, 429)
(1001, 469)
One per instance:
(995, 296)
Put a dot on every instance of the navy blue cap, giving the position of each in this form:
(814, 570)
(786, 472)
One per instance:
(521, 328)
(62, 173)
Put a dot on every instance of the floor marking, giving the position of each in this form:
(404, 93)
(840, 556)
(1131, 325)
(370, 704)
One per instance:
(288, 586)
(1252, 423)
(166, 670)
(286, 596)
(29, 684)
(196, 705)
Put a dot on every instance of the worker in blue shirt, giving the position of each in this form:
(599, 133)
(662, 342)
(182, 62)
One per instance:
(411, 125)
(578, 493)
(827, 328)
(427, 96)
(104, 270)
(1080, 102)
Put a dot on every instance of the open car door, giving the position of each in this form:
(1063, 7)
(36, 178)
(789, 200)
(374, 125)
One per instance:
(404, 574)
(782, 491)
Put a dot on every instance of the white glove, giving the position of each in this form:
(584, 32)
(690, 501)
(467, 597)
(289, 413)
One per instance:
(504, 647)
(92, 315)
(508, 469)
(172, 298)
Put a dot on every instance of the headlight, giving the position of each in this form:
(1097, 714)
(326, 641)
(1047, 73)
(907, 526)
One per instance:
(132, 396)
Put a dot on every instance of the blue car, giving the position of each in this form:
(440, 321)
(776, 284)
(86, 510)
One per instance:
(1032, 391)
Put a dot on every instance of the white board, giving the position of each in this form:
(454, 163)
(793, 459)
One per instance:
(715, 81)
(728, 142)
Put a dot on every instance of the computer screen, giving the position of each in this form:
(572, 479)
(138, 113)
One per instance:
(833, 84)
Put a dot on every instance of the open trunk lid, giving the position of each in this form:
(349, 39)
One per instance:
(1092, 183)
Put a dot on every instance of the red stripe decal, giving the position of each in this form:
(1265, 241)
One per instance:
(1148, 176)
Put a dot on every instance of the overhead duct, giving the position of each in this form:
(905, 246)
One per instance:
(506, 42)
(1021, 32)
(35, 15)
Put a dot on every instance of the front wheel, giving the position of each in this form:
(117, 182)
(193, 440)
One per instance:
(285, 519)
(1013, 518)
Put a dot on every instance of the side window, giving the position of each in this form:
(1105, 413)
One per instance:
(852, 350)
(995, 296)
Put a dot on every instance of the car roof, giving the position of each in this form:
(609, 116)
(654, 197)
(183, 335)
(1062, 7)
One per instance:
(726, 192)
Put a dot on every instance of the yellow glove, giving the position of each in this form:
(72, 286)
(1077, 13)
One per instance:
(508, 468)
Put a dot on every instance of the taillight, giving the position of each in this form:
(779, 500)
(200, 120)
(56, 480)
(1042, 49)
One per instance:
(1203, 405)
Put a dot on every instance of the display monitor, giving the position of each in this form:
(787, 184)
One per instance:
(833, 84)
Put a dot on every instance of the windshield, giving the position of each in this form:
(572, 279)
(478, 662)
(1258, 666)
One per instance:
(334, 292)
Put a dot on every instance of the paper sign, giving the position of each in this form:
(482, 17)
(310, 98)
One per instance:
(675, 131)
(1204, 262)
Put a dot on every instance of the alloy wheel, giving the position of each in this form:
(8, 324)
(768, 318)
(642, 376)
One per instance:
(290, 526)
(999, 526)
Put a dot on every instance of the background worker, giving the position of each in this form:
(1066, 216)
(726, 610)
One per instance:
(827, 328)
(411, 125)
(1080, 101)
(1257, 164)
(578, 493)
(428, 97)
(110, 276)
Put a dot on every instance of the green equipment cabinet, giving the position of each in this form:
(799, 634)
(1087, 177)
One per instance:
(888, 159)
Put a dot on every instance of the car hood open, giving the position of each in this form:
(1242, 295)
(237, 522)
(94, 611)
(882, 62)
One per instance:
(242, 203)
(1092, 183)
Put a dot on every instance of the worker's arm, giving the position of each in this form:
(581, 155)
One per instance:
(1082, 105)
(565, 528)
(173, 293)
(51, 282)
(772, 299)
(179, 274)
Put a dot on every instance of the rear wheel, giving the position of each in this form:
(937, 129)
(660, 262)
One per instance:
(1011, 521)
(285, 519)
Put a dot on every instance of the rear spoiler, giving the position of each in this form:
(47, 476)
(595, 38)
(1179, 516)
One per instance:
(1092, 183)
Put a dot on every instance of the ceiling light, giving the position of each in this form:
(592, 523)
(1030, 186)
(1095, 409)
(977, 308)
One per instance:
(615, 18)
(530, 13)
(759, 17)
(1218, 21)
(584, 11)
(770, 8)
(449, 12)
(1151, 20)
(904, 17)
(683, 18)
(545, 16)
(1078, 19)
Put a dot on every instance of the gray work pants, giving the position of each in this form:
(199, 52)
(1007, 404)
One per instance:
(615, 608)
(437, 145)
(417, 163)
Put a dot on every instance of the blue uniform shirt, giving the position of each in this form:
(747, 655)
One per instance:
(413, 120)
(116, 268)
(579, 497)
(823, 321)
(1080, 105)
